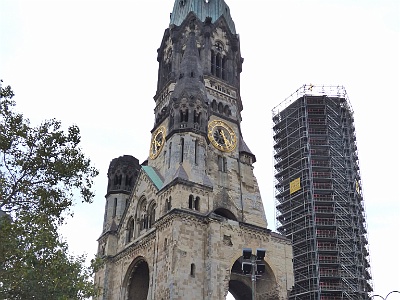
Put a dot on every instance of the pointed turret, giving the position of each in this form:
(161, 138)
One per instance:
(190, 80)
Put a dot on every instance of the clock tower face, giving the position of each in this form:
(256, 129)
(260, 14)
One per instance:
(157, 142)
(222, 136)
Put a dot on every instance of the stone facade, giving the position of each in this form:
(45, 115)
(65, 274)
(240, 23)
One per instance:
(179, 231)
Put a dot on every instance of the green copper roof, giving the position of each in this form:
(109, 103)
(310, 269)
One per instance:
(155, 178)
(203, 9)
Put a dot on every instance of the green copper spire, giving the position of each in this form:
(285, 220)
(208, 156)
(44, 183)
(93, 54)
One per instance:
(202, 9)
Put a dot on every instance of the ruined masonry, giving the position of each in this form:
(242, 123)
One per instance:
(176, 224)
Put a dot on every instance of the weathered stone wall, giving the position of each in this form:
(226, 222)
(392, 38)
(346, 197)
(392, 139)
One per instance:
(211, 245)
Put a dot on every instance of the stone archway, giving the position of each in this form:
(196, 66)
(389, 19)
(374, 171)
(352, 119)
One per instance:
(240, 290)
(137, 285)
(240, 284)
(223, 212)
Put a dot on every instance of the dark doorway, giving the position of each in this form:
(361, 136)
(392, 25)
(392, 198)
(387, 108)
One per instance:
(240, 284)
(139, 279)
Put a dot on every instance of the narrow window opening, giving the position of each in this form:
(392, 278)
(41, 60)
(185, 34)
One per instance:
(128, 181)
(220, 108)
(131, 227)
(225, 165)
(223, 73)
(197, 204)
(222, 164)
(218, 61)
(152, 218)
(214, 105)
(212, 62)
(192, 270)
(184, 116)
(115, 207)
(170, 155)
(191, 202)
(182, 148)
(218, 65)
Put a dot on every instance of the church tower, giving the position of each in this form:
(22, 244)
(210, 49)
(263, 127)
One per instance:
(195, 202)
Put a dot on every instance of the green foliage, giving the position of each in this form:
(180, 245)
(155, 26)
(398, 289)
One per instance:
(41, 166)
(42, 169)
(35, 264)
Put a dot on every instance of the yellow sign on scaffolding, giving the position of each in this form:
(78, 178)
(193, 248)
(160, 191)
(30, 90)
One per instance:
(295, 185)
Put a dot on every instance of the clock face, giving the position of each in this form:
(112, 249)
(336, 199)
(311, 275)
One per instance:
(157, 142)
(222, 135)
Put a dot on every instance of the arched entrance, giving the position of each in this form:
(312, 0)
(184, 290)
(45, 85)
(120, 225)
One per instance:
(223, 212)
(240, 290)
(137, 284)
(240, 284)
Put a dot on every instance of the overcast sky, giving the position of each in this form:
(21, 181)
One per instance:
(93, 63)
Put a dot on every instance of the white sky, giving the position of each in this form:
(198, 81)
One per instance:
(93, 63)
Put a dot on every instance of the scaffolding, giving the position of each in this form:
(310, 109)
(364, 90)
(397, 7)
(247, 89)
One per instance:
(318, 193)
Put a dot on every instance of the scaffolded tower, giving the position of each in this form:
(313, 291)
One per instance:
(319, 194)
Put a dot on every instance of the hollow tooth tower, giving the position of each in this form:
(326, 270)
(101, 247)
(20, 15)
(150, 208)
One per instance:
(196, 203)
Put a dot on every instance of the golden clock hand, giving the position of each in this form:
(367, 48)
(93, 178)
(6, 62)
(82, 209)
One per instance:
(226, 141)
(156, 144)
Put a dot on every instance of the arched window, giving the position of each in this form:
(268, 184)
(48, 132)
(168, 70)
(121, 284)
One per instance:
(218, 61)
(184, 116)
(128, 181)
(196, 117)
(152, 215)
(168, 204)
(227, 111)
(214, 105)
(130, 230)
(197, 203)
(191, 202)
(142, 215)
(117, 179)
(220, 108)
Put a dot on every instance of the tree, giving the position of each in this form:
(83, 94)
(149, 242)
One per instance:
(42, 171)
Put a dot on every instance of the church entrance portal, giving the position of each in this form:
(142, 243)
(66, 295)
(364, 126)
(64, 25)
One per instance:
(138, 284)
(240, 284)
